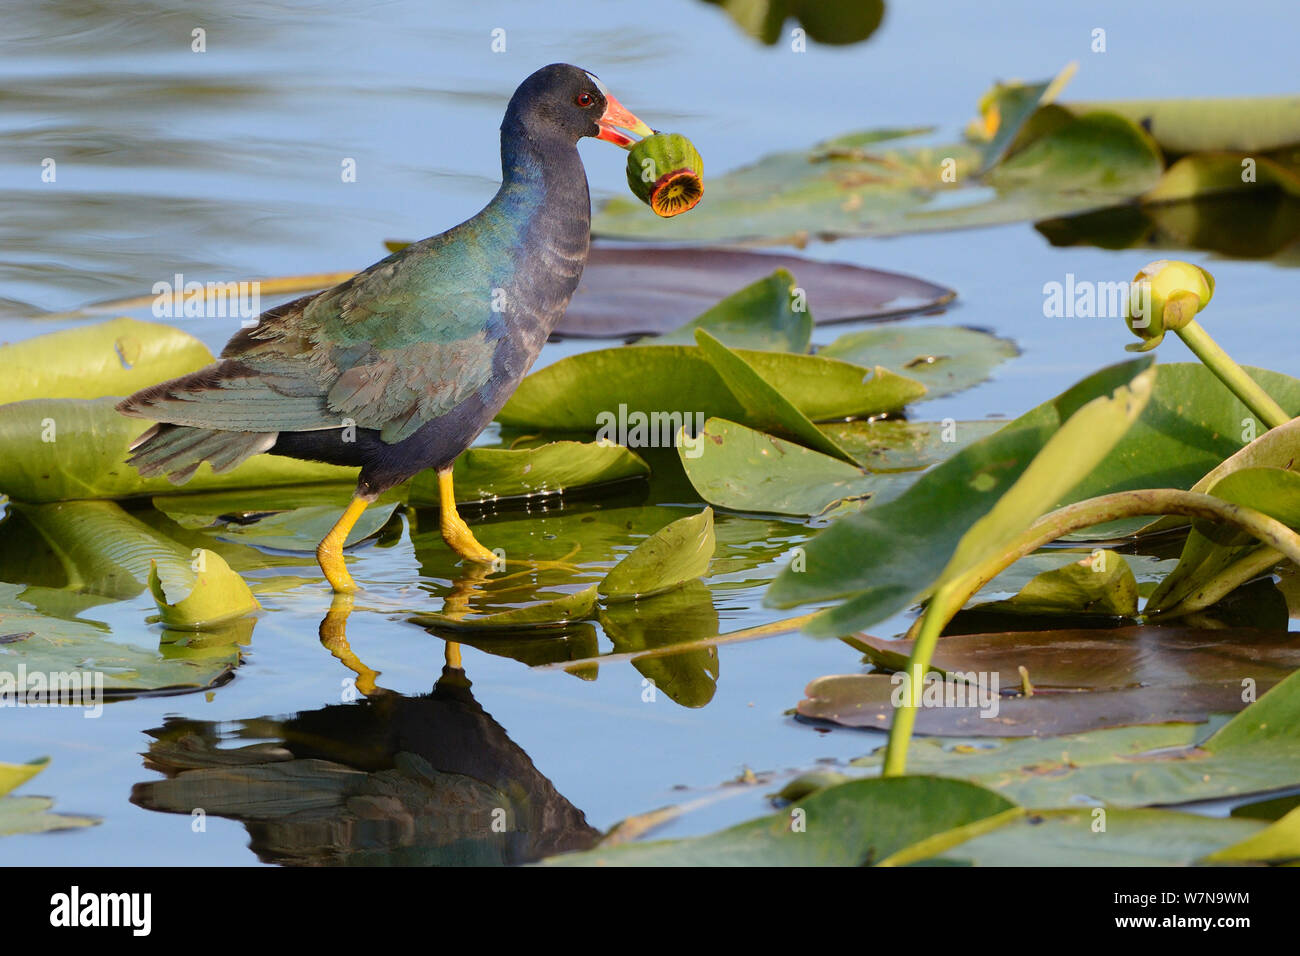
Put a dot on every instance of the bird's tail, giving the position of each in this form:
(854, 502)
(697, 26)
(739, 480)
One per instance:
(178, 450)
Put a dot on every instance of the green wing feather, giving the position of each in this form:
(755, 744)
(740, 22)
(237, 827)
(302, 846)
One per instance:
(396, 346)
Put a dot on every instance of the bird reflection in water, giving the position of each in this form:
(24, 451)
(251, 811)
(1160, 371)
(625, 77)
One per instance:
(385, 780)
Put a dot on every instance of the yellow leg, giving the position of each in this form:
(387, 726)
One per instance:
(453, 656)
(329, 553)
(454, 529)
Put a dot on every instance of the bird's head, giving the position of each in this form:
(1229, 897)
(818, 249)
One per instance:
(568, 101)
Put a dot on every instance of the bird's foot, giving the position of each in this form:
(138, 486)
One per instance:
(461, 540)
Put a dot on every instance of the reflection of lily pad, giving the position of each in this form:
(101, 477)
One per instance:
(685, 614)
(547, 614)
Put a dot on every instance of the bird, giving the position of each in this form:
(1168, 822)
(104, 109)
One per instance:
(400, 368)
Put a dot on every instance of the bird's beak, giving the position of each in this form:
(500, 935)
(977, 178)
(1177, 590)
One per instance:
(616, 117)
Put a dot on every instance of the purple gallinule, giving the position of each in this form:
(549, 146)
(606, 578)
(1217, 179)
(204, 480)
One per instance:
(400, 368)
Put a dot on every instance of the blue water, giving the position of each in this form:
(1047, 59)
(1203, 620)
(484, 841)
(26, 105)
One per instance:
(226, 164)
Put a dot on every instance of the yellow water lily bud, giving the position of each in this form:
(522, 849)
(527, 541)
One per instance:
(1164, 297)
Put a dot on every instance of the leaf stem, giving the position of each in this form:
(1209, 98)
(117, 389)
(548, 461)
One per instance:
(950, 596)
(1233, 375)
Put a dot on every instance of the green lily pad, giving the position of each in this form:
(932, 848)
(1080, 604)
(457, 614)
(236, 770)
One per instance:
(645, 290)
(853, 824)
(1210, 174)
(945, 359)
(1251, 124)
(1278, 842)
(767, 408)
(964, 509)
(1254, 752)
(667, 559)
(490, 474)
(1101, 583)
(109, 358)
(762, 315)
(675, 383)
(1084, 837)
(50, 645)
(30, 814)
(214, 597)
(837, 22)
(747, 470)
(64, 448)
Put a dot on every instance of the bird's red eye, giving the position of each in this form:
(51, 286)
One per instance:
(584, 100)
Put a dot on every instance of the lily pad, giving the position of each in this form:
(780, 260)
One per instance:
(50, 645)
(748, 470)
(63, 449)
(214, 597)
(646, 290)
(1101, 583)
(762, 315)
(853, 824)
(766, 407)
(1132, 766)
(966, 507)
(1251, 124)
(1085, 838)
(675, 383)
(946, 359)
(30, 814)
(109, 358)
(491, 474)
(667, 559)
(867, 701)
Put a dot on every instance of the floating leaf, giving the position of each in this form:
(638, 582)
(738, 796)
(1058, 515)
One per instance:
(760, 316)
(62, 449)
(767, 409)
(29, 814)
(50, 645)
(489, 474)
(669, 385)
(648, 289)
(1132, 766)
(1101, 583)
(1279, 842)
(1076, 838)
(853, 824)
(1250, 124)
(108, 358)
(965, 508)
(216, 595)
(1207, 174)
(747, 470)
(667, 559)
(945, 359)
